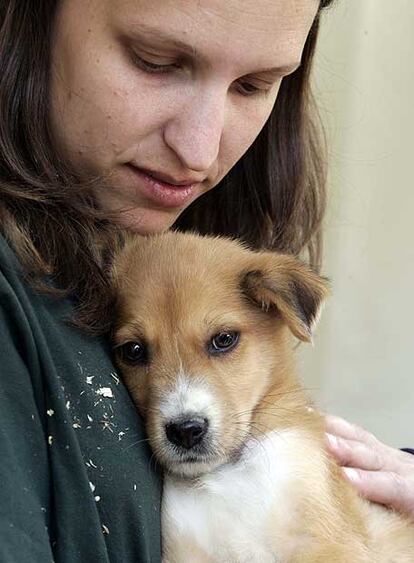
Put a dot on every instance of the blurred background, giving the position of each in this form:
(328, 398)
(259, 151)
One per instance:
(361, 365)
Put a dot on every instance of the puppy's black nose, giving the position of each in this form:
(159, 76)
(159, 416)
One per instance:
(187, 433)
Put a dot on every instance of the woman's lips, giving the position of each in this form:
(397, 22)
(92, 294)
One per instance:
(159, 192)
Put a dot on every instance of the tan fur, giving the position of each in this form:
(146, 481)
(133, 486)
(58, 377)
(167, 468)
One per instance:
(174, 292)
(186, 549)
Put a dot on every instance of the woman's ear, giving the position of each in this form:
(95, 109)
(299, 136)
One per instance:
(283, 283)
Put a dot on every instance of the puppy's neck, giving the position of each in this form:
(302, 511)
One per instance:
(285, 406)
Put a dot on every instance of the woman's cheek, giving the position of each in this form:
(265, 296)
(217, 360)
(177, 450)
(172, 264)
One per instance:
(248, 119)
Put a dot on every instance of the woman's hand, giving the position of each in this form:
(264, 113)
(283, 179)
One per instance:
(379, 473)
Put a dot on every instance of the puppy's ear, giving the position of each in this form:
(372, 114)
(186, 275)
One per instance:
(284, 284)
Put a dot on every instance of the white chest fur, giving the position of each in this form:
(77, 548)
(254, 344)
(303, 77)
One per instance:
(244, 512)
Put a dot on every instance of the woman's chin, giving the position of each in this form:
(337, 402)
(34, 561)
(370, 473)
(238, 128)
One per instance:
(147, 221)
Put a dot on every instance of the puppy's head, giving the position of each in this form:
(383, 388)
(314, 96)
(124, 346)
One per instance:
(203, 331)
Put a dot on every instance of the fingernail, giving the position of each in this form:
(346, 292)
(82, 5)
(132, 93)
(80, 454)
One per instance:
(333, 440)
(352, 474)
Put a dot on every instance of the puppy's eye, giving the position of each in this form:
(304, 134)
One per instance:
(223, 342)
(133, 353)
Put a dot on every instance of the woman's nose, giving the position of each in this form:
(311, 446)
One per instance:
(195, 132)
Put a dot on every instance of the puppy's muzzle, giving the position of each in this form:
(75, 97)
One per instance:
(187, 433)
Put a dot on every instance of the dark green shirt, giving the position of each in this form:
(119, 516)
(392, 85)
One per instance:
(77, 482)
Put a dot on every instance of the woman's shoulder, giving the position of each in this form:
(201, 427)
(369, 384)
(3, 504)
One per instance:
(36, 324)
(39, 323)
(65, 414)
(8, 259)
(11, 274)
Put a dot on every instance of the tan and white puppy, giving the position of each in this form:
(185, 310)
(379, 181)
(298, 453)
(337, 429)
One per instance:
(203, 337)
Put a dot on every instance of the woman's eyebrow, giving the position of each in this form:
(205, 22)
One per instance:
(142, 32)
(276, 72)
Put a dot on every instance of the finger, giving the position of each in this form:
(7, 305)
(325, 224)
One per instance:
(344, 429)
(407, 458)
(355, 454)
(350, 453)
(383, 487)
(393, 457)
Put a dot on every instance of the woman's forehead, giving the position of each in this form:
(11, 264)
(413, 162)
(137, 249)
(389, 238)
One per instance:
(272, 32)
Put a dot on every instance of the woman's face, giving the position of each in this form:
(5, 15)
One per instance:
(162, 98)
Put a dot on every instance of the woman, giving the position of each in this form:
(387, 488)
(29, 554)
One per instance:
(127, 113)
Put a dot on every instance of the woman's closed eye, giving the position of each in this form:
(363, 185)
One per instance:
(249, 89)
(152, 67)
(244, 88)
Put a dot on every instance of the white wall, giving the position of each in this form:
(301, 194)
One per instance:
(362, 364)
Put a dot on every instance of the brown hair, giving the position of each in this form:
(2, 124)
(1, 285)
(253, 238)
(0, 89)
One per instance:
(273, 198)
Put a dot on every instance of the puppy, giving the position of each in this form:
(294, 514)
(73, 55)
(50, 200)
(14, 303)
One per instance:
(203, 338)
